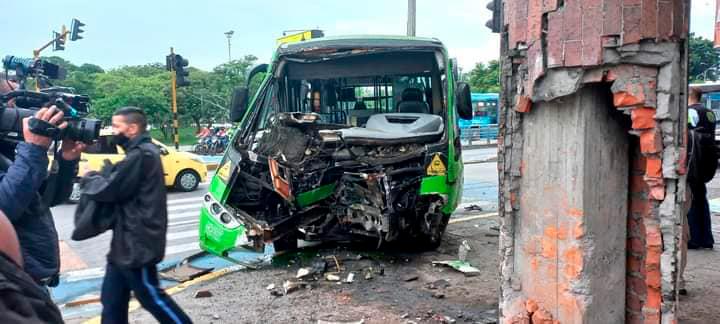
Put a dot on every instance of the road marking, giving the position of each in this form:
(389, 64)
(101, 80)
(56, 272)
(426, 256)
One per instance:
(85, 274)
(184, 200)
(194, 213)
(184, 207)
(182, 235)
(180, 248)
(184, 223)
(469, 218)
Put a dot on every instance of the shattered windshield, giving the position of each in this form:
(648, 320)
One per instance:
(349, 91)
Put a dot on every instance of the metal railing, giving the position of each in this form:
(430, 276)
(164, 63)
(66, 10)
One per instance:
(485, 134)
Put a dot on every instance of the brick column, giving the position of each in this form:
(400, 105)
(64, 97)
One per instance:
(628, 55)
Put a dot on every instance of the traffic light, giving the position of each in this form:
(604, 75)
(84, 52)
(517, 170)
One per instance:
(170, 62)
(180, 71)
(59, 43)
(75, 30)
(495, 23)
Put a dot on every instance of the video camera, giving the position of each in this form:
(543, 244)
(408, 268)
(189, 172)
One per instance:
(26, 103)
(25, 67)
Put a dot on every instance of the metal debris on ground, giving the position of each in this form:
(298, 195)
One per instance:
(368, 275)
(303, 272)
(473, 208)
(319, 267)
(463, 250)
(270, 287)
(372, 271)
(462, 266)
(291, 286)
(438, 284)
(202, 294)
(350, 277)
(411, 278)
(337, 263)
(332, 277)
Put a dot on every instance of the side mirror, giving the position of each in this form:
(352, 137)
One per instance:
(239, 103)
(163, 150)
(463, 101)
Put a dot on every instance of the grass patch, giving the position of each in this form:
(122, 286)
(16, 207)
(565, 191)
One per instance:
(187, 136)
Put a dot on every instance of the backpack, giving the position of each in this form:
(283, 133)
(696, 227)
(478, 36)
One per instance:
(703, 160)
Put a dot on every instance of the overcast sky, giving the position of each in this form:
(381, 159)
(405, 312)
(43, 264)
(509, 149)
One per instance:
(131, 32)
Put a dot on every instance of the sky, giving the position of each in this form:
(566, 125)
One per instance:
(132, 32)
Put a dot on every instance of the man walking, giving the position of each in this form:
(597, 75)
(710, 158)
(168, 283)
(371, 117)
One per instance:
(135, 189)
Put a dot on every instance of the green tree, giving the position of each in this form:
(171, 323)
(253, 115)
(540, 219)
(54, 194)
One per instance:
(485, 77)
(703, 60)
(120, 87)
(148, 86)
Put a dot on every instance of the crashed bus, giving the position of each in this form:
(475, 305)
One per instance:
(347, 139)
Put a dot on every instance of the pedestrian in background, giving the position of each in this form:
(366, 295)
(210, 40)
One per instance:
(702, 164)
(135, 187)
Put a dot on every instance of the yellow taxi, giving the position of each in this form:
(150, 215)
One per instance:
(183, 170)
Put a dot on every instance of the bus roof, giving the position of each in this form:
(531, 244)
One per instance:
(356, 41)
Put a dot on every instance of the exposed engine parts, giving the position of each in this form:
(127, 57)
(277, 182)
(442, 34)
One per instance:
(317, 183)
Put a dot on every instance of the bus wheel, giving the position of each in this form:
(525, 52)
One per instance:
(430, 238)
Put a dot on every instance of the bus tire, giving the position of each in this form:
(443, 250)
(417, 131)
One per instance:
(430, 240)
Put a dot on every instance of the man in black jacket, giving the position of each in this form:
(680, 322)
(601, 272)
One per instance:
(135, 188)
(703, 163)
(27, 192)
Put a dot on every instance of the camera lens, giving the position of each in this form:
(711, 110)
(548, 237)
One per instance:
(83, 130)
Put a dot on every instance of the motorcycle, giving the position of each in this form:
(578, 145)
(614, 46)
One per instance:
(201, 147)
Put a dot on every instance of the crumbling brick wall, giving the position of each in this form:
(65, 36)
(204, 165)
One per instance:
(550, 50)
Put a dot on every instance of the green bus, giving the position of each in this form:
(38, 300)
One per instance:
(347, 139)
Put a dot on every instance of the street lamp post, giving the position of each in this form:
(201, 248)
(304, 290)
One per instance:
(411, 18)
(229, 35)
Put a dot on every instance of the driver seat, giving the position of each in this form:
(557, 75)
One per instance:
(412, 102)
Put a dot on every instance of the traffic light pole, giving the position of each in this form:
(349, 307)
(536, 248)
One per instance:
(174, 104)
(63, 34)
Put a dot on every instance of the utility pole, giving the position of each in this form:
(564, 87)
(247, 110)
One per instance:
(229, 35)
(411, 18)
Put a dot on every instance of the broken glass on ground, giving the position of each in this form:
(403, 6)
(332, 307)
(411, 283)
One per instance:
(461, 266)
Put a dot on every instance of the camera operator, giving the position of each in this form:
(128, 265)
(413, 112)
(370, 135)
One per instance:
(27, 192)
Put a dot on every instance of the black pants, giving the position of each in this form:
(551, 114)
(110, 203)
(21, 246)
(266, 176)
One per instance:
(143, 282)
(699, 218)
